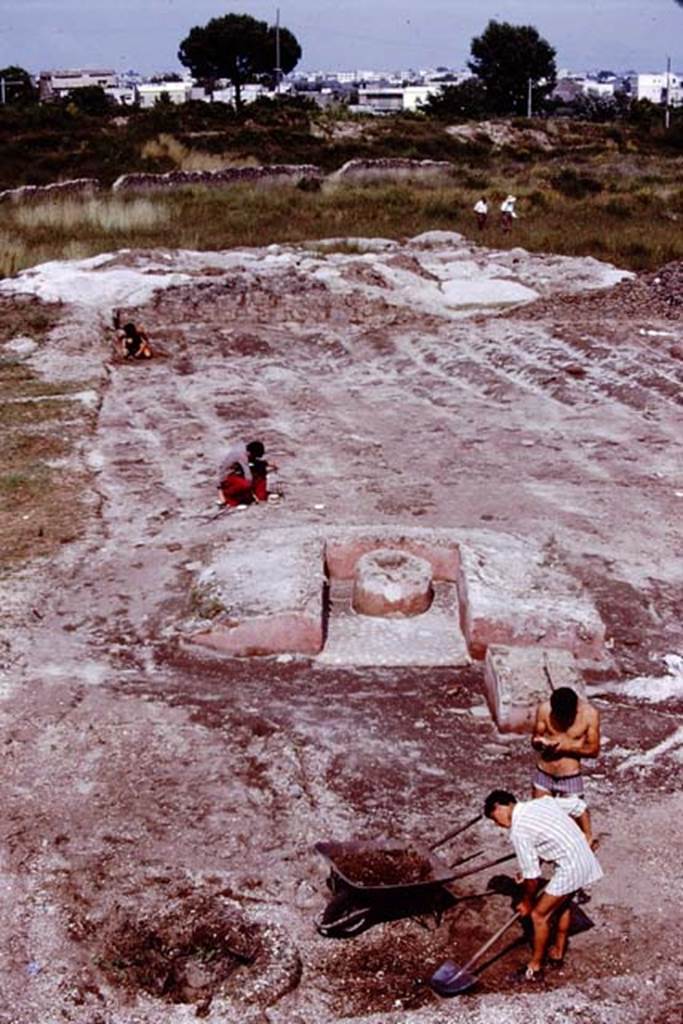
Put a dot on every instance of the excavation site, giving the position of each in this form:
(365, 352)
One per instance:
(247, 747)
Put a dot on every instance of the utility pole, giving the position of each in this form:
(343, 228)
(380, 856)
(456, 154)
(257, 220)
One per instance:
(4, 82)
(278, 70)
(529, 98)
(667, 108)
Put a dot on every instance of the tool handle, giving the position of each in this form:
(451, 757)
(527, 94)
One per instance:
(455, 832)
(481, 867)
(546, 671)
(490, 942)
(463, 860)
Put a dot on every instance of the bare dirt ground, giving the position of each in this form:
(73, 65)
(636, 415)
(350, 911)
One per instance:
(160, 805)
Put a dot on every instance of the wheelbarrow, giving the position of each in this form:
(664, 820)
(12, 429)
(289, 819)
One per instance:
(382, 879)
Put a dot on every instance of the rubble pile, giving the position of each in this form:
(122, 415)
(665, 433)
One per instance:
(657, 294)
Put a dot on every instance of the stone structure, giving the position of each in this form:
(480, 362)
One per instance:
(517, 678)
(265, 599)
(269, 595)
(392, 583)
(509, 595)
(276, 174)
(391, 169)
(36, 193)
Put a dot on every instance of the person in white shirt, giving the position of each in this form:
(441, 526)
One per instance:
(235, 479)
(507, 213)
(542, 830)
(481, 209)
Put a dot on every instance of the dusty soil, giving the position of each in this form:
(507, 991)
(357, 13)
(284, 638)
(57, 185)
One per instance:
(147, 786)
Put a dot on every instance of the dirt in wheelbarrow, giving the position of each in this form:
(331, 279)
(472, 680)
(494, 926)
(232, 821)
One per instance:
(384, 867)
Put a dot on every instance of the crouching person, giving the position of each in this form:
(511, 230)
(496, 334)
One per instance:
(134, 342)
(542, 830)
(242, 475)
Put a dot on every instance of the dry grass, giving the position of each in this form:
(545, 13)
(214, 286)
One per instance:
(40, 503)
(630, 221)
(167, 147)
(105, 216)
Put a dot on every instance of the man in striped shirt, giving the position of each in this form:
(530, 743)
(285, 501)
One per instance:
(541, 830)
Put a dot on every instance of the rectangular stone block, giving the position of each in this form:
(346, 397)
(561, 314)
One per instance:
(265, 596)
(432, 638)
(438, 547)
(518, 678)
(509, 596)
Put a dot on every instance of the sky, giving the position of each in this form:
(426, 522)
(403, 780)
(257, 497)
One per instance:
(341, 34)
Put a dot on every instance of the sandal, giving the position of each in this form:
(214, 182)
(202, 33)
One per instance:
(527, 975)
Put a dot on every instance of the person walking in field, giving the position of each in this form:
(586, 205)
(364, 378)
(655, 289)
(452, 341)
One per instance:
(481, 209)
(542, 830)
(508, 213)
(566, 729)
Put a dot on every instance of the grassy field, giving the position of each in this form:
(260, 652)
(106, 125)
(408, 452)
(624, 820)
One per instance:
(610, 191)
(40, 498)
(632, 220)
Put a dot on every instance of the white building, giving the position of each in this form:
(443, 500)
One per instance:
(653, 87)
(151, 92)
(395, 99)
(56, 84)
(122, 95)
(592, 87)
(415, 96)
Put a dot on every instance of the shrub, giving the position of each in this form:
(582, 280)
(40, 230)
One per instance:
(618, 208)
(574, 185)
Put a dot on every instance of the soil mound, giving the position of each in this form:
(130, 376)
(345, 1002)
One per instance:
(181, 956)
(650, 295)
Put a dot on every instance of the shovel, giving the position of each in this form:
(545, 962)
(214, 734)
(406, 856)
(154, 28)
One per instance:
(450, 979)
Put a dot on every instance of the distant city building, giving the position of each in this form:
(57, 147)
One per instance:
(150, 93)
(123, 95)
(654, 87)
(56, 84)
(393, 100)
(593, 87)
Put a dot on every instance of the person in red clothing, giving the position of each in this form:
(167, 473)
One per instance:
(243, 475)
(260, 468)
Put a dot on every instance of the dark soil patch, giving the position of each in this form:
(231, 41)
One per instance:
(26, 317)
(369, 867)
(183, 956)
(638, 622)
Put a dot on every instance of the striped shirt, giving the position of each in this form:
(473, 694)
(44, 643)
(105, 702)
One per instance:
(542, 830)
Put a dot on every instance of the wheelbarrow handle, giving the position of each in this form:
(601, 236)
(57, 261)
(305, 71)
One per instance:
(455, 832)
(480, 867)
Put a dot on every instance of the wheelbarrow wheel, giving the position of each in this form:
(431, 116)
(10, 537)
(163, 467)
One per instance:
(343, 917)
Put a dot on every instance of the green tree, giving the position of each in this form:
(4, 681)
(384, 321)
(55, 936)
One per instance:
(463, 102)
(90, 99)
(18, 86)
(600, 108)
(239, 48)
(504, 58)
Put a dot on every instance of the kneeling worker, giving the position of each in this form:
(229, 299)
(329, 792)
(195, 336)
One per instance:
(134, 342)
(242, 475)
(540, 829)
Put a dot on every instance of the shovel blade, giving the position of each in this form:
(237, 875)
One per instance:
(580, 921)
(450, 980)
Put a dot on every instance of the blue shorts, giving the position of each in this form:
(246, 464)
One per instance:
(567, 785)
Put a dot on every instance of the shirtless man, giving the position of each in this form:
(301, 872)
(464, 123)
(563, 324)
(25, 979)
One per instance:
(566, 729)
